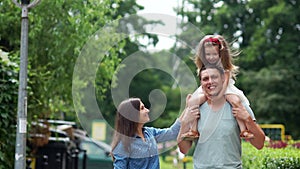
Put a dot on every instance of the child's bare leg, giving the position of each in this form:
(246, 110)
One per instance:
(235, 101)
(194, 100)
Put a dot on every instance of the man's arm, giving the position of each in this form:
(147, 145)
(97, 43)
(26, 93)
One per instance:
(184, 145)
(259, 136)
(190, 114)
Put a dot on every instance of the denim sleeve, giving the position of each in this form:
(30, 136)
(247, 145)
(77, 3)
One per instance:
(120, 162)
(166, 134)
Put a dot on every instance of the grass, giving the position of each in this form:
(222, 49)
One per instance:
(168, 163)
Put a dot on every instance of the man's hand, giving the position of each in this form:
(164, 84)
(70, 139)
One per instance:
(240, 112)
(191, 114)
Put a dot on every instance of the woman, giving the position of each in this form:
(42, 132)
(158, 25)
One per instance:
(135, 146)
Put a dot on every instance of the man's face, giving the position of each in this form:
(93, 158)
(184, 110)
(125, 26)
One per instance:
(211, 81)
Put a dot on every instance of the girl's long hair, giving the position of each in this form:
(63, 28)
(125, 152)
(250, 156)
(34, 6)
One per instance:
(126, 123)
(225, 54)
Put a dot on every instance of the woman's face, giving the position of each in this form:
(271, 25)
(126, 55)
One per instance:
(144, 114)
(212, 54)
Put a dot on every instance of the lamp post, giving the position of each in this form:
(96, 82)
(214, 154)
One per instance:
(20, 152)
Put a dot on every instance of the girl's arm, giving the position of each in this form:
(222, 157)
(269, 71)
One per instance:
(225, 83)
(227, 76)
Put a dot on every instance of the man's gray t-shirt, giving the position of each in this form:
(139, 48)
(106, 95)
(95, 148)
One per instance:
(222, 149)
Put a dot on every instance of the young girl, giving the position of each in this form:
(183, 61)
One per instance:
(215, 50)
(135, 146)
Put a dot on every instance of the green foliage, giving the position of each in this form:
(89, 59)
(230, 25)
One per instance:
(57, 32)
(8, 99)
(57, 38)
(55, 41)
(270, 158)
(273, 54)
(9, 32)
(267, 158)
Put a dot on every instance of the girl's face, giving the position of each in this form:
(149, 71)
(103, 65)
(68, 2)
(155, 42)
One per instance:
(212, 54)
(144, 114)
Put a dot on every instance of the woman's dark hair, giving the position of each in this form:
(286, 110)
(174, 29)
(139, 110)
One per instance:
(126, 123)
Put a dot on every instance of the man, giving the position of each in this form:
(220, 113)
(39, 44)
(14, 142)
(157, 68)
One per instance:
(219, 145)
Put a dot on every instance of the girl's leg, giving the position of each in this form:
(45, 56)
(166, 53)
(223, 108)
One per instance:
(193, 133)
(196, 100)
(234, 100)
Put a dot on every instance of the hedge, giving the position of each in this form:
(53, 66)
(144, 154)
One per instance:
(287, 157)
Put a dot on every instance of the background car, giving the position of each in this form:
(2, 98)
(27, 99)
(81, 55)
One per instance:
(66, 147)
(97, 154)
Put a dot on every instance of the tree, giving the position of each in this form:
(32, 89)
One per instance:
(57, 32)
(9, 95)
(273, 48)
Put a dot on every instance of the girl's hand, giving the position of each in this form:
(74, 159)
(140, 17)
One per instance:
(188, 97)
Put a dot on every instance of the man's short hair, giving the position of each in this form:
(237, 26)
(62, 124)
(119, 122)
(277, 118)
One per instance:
(211, 66)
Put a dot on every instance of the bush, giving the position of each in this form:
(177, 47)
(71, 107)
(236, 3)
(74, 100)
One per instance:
(269, 158)
(8, 109)
(272, 156)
